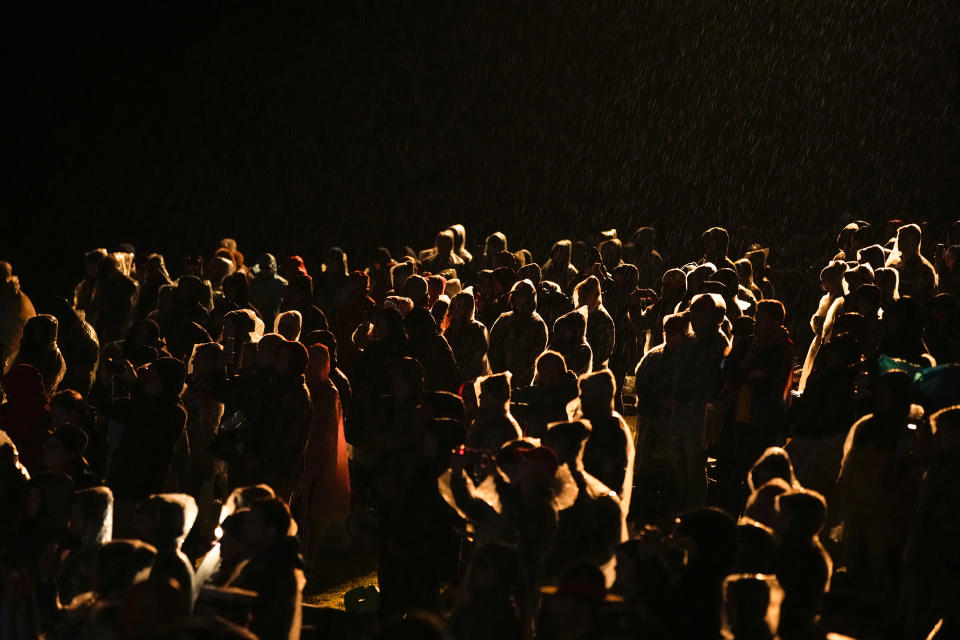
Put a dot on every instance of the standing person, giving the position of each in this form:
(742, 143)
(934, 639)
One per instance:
(38, 348)
(831, 281)
(609, 453)
(112, 300)
(25, 416)
(280, 445)
(83, 291)
(558, 267)
(918, 278)
(267, 289)
(79, 346)
(15, 310)
(519, 335)
(274, 570)
(467, 337)
(324, 488)
(601, 333)
(699, 375)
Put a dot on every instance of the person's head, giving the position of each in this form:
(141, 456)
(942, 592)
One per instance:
(611, 253)
(266, 524)
(435, 405)
(769, 318)
(597, 393)
(571, 327)
(120, 564)
(327, 339)
(549, 369)
(493, 392)
(676, 328)
(571, 608)
(39, 334)
(887, 280)
(773, 463)
(951, 258)
(63, 448)
(560, 253)
(291, 360)
(751, 606)
(587, 293)
(91, 262)
(460, 311)
(707, 311)
(716, 242)
(236, 289)
(204, 359)
(388, 325)
(420, 323)
(892, 394)
(801, 514)
(831, 277)
(165, 519)
(288, 324)
(416, 289)
(908, 239)
(444, 242)
(299, 291)
(712, 537)
(496, 242)
(335, 262)
(91, 515)
(523, 298)
(566, 439)
(69, 407)
(673, 284)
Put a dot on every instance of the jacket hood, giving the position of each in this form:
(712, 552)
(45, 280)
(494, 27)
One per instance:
(173, 515)
(575, 322)
(318, 368)
(96, 505)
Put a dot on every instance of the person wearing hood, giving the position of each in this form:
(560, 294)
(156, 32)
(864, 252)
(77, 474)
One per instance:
(877, 486)
(699, 373)
(609, 452)
(280, 443)
(91, 519)
(442, 256)
(601, 333)
(831, 281)
(460, 243)
(494, 426)
(592, 527)
(274, 570)
(154, 422)
(716, 245)
(569, 339)
(758, 379)
(547, 397)
(802, 566)
(918, 278)
(354, 307)
(751, 607)
(902, 329)
(467, 337)
(558, 267)
(333, 275)
(495, 244)
(288, 324)
(324, 488)
(518, 336)
(378, 274)
(164, 520)
(112, 300)
(659, 449)
(292, 267)
(148, 294)
(25, 416)
(38, 348)
(713, 536)
(338, 377)
(430, 348)
(63, 453)
(267, 289)
(15, 310)
(78, 344)
(299, 297)
(83, 291)
(204, 412)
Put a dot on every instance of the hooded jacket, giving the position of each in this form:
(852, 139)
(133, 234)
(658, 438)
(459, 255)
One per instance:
(39, 349)
(517, 338)
(25, 416)
(570, 340)
(76, 574)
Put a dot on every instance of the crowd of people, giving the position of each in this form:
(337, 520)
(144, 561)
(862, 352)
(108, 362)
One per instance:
(608, 442)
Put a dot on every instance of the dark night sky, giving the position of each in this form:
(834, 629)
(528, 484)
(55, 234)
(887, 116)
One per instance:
(169, 125)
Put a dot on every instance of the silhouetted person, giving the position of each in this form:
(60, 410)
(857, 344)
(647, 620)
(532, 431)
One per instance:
(164, 520)
(494, 426)
(15, 310)
(558, 267)
(467, 337)
(91, 519)
(569, 339)
(609, 452)
(112, 301)
(274, 571)
(918, 278)
(518, 336)
(491, 585)
(38, 348)
(267, 289)
(25, 416)
(79, 346)
(430, 348)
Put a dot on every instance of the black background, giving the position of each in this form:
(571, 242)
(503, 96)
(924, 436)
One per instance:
(294, 127)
